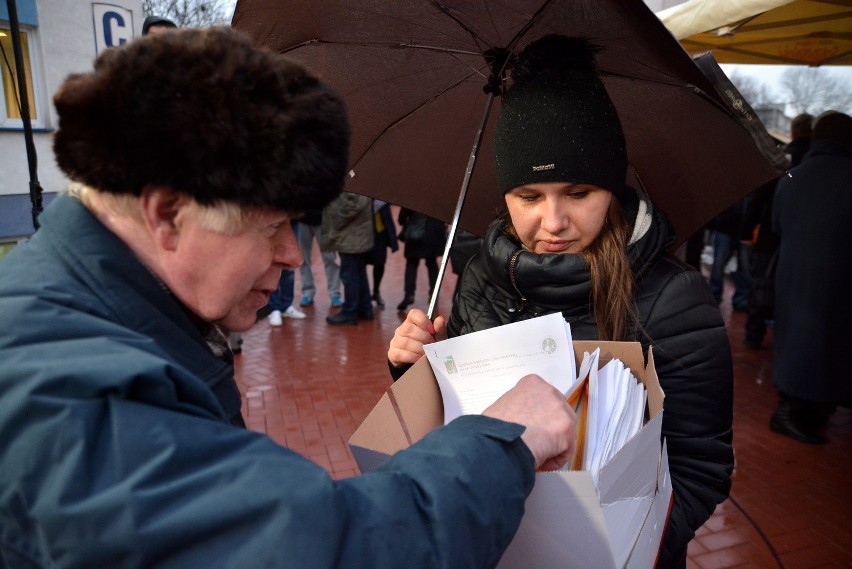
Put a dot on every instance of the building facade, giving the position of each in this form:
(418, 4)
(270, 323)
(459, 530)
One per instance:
(58, 37)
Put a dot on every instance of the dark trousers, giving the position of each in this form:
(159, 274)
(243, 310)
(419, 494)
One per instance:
(411, 274)
(758, 312)
(724, 247)
(356, 287)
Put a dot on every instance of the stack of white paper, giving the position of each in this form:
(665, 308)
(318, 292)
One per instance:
(474, 370)
(615, 409)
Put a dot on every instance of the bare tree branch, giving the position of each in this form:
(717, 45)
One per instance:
(757, 94)
(189, 13)
(814, 90)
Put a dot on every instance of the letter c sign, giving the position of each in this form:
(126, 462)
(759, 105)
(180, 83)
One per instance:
(113, 26)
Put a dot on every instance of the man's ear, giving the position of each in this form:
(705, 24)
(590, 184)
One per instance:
(160, 206)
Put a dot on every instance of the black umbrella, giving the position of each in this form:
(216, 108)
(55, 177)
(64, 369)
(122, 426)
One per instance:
(420, 76)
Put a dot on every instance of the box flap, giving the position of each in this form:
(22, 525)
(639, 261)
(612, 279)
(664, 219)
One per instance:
(418, 401)
(628, 352)
(563, 527)
(627, 486)
(656, 396)
(381, 431)
(648, 544)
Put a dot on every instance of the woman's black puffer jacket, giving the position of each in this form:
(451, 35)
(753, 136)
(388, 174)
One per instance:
(678, 316)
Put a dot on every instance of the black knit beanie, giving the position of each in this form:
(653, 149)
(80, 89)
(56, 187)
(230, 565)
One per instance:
(558, 123)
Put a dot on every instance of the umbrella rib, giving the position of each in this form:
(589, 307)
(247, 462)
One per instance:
(532, 20)
(381, 44)
(408, 114)
(473, 35)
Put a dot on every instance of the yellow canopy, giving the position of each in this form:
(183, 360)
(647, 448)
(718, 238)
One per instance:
(800, 32)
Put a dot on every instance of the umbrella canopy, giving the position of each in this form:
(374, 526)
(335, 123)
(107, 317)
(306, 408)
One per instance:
(413, 75)
(800, 32)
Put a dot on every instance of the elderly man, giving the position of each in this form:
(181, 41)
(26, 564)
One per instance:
(121, 447)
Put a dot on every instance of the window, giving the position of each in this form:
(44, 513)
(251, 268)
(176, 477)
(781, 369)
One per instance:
(10, 108)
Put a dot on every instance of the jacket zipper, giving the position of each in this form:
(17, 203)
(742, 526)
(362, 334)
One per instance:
(513, 263)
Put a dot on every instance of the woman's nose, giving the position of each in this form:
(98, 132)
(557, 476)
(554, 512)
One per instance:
(553, 218)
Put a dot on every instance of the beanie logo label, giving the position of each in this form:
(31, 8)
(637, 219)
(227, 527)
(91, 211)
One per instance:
(544, 167)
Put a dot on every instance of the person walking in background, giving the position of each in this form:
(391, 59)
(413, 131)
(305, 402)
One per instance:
(347, 227)
(309, 229)
(726, 229)
(758, 232)
(801, 130)
(811, 214)
(384, 239)
(424, 238)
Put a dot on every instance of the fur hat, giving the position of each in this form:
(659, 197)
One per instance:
(205, 112)
(558, 123)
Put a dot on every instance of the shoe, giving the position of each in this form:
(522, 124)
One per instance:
(406, 302)
(306, 301)
(379, 300)
(365, 315)
(292, 312)
(782, 422)
(336, 301)
(275, 318)
(341, 319)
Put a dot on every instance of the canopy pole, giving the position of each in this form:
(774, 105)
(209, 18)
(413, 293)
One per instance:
(471, 163)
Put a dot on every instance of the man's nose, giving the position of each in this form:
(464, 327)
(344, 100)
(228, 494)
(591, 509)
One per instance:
(287, 252)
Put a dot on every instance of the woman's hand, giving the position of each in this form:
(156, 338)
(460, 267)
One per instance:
(406, 346)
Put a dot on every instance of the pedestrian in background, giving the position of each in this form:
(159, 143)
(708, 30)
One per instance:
(424, 239)
(726, 229)
(385, 238)
(347, 228)
(811, 214)
(310, 229)
(758, 232)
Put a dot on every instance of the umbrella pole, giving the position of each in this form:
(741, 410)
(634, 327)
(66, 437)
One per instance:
(462, 195)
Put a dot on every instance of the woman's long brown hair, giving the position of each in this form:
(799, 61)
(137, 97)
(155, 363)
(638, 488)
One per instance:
(611, 277)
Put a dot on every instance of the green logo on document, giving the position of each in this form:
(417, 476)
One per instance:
(549, 345)
(450, 365)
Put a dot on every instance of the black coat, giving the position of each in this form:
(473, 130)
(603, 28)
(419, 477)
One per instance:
(434, 242)
(680, 319)
(812, 213)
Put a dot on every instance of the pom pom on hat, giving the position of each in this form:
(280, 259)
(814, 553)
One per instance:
(558, 123)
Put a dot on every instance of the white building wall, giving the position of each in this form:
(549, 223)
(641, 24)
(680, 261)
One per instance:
(66, 40)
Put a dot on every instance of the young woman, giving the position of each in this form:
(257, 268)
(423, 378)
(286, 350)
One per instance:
(576, 240)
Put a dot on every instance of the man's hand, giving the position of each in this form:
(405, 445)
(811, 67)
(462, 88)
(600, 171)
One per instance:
(543, 410)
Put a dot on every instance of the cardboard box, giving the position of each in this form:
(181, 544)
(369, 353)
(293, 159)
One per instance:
(567, 524)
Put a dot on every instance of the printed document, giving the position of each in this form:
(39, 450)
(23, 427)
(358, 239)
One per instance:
(474, 370)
